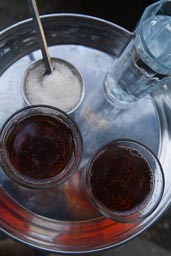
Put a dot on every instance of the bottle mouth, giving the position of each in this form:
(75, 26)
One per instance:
(147, 54)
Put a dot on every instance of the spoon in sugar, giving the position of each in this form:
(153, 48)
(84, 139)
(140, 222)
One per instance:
(40, 35)
(51, 81)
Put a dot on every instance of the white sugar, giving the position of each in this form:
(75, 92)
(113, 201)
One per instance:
(61, 89)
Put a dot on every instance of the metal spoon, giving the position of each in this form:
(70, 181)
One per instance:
(40, 35)
(50, 64)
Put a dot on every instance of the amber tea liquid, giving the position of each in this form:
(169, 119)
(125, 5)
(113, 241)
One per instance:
(40, 146)
(121, 178)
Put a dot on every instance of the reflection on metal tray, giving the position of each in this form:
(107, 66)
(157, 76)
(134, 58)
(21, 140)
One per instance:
(62, 219)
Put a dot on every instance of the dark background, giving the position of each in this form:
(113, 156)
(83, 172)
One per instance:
(125, 13)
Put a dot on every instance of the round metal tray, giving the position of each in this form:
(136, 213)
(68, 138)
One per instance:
(62, 219)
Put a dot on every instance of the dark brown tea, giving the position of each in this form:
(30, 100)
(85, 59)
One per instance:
(121, 178)
(40, 146)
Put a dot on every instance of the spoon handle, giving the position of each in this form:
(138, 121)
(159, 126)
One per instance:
(40, 35)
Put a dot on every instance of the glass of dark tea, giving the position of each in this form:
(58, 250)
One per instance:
(125, 181)
(41, 146)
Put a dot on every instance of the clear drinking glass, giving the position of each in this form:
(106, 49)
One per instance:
(145, 64)
(40, 146)
(125, 181)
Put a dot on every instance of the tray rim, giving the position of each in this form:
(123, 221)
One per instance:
(155, 103)
(75, 15)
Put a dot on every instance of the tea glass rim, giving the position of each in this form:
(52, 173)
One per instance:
(29, 111)
(127, 216)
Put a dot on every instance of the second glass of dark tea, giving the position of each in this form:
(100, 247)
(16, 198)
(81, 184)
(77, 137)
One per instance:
(125, 181)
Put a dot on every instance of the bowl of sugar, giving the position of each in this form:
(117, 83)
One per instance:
(64, 88)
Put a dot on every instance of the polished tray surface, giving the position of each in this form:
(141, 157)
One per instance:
(62, 219)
